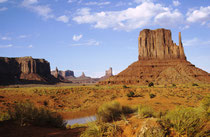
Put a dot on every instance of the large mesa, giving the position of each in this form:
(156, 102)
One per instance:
(25, 70)
(160, 61)
(157, 44)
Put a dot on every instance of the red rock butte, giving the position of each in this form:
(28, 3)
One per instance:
(160, 61)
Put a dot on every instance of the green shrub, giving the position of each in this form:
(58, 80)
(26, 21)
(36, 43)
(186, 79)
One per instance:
(186, 121)
(152, 95)
(25, 113)
(124, 86)
(4, 116)
(173, 85)
(145, 111)
(100, 130)
(131, 94)
(194, 84)
(205, 106)
(109, 111)
(151, 84)
(128, 110)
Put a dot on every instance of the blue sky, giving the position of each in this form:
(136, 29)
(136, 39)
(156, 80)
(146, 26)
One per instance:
(92, 35)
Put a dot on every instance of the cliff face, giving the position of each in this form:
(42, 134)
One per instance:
(24, 70)
(160, 61)
(157, 44)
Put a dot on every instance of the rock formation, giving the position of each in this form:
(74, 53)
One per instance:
(160, 61)
(159, 45)
(108, 73)
(25, 70)
(62, 74)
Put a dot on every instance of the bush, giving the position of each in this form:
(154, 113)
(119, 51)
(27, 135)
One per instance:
(151, 84)
(194, 84)
(100, 130)
(205, 106)
(173, 85)
(131, 94)
(145, 111)
(109, 112)
(124, 86)
(186, 121)
(152, 95)
(4, 116)
(25, 113)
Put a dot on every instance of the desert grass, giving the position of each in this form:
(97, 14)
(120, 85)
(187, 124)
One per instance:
(25, 113)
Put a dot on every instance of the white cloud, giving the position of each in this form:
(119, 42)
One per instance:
(6, 46)
(2, 1)
(176, 3)
(63, 18)
(88, 43)
(29, 2)
(70, 1)
(3, 9)
(5, 38)
(22, 36)
(30, 46)
(97, 3)
(201, 15)
(42, 10)
(131, 18)
(196, 42)
(168, 18)
(77, 37)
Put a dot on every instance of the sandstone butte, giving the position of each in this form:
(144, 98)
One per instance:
(160, 61)
(24, 70)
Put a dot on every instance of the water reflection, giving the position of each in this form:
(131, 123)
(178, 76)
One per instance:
(81, 120)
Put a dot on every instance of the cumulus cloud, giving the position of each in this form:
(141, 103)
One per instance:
(63, 18)
(131, 18)
(42, 10)
(97, 3)
(201, 15)
(88, 43)
(77, 37)
(3, 8)
(6, 46)
(5, 38)
(2, 1)
(176, 3)
(168, 18)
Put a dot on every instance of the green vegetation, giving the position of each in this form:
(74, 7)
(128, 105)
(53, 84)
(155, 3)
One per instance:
(194, 84)
(186, 121)
(124, 86)
(151, 84)
(4, 116)
(173, 85)
(100, 129)
(130, 94)
(152, 95)
(109, 112)
(25, 113)
(112, 111)
(145, 111)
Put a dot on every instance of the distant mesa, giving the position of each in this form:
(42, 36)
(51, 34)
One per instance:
(160, 61)
(108, 73)
(68, 76)
(62, 75)
(24, 70)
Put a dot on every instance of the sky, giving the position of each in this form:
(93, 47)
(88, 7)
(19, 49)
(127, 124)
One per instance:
(92, 35)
